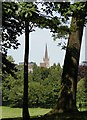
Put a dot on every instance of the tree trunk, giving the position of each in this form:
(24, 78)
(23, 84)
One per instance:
(67, 100)
(25, 97)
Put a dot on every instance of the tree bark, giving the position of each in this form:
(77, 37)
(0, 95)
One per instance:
(25, 96)
(67, 100)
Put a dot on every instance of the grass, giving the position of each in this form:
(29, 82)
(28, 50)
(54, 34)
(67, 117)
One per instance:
(7, 112)
(82, 109)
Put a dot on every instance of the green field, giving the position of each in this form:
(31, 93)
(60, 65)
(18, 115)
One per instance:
(7, 112)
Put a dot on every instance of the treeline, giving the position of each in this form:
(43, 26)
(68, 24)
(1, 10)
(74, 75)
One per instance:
(44, 86)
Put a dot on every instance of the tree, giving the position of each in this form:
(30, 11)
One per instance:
(67, 100)
(7, 84)
(44, 87)
(28, 13)
(36, 75)
(12, 88)
(18, 17)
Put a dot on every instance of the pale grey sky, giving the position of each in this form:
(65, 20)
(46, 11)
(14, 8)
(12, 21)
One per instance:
(38, 40)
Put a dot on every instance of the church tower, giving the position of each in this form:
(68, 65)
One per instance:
(45, 63)
(46, 59)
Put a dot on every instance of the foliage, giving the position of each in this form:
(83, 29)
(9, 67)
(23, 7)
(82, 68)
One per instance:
(67, 11)
(54, 16)
(38, 14)
(8, 65)
(53, 23)
(43, 88)
(11, 26)
(82, 91)
(8, 82)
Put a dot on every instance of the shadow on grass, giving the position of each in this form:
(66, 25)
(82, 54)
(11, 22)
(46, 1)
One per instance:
(60, 116)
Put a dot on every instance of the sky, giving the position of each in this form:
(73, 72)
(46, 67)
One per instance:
(38, 41)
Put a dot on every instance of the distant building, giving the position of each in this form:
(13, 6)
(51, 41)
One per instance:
(82, 69)
(84, 63)
(45, 59)
(21, 63)
(30, 66)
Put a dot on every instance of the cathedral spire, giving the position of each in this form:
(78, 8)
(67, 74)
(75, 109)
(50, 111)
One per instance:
(46, 52)
(46, 59)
